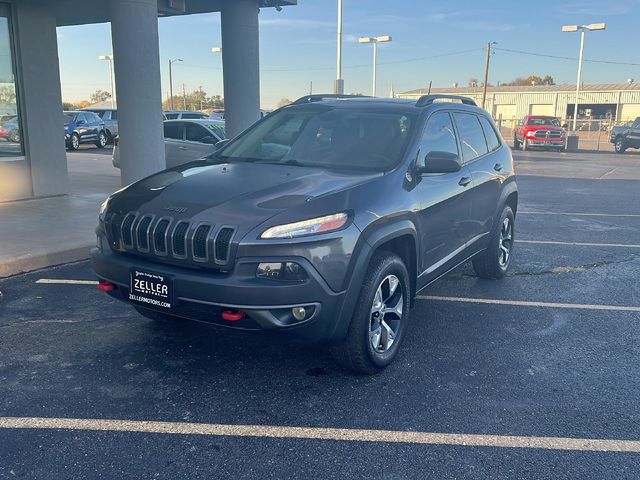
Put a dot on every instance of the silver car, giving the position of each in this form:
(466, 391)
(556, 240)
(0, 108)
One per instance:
(185, 140)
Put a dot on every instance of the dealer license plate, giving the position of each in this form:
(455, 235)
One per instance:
(152, 289)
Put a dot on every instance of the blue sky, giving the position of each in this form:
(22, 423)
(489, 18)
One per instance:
(298, 45)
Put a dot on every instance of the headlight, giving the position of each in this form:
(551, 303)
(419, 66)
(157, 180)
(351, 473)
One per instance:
(328, 223)
(103, 208)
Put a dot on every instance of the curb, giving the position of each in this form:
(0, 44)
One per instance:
(31, 262)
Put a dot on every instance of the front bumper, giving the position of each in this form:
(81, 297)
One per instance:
(546, 142)
(202, 295)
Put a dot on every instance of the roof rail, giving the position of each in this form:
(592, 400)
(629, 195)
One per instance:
(425, 100)
(319, 97)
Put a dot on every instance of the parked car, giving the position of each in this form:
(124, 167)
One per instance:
(10, 130)
(185, 140)
(320, 222)
(217, 114)
(184, 114)
(539, 131)
(83, 127)
(626, 136)
(110, 118)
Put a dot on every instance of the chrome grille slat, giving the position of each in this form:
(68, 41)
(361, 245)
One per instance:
(179, 239)
(200, 242)
(223, 244)
(160, 236)
(142, 232)
(127, 230)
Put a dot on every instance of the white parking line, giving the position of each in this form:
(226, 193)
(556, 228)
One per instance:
(575, 214)
(493, 301)
(319, 433)
(61, 281)
(581, 244)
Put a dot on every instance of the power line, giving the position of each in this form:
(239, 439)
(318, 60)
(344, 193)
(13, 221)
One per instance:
(559, 57)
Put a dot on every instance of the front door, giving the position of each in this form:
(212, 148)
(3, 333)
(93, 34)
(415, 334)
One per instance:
(443, 203)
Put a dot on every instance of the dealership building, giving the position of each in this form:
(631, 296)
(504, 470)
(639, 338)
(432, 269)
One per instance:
(33, 163)
(616, 102)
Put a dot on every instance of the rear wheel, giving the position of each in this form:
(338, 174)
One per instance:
(495, 260)
(619, 145)
(379, 322)
(102, 140)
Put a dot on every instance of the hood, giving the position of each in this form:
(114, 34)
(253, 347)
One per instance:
(231, 193)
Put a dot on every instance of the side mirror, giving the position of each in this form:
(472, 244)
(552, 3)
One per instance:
(221, 143)
(209, 140)
(440, 162)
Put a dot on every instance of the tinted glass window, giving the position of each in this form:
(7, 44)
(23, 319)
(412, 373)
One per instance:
(438, 136)
(114, 114)
(93, 118)
(323, 136)
(636, 124)
(193, 115)
(195, 132)
(69, 118)
(101, 113)
(173, 130)
(490, 134)
(544, 121)
(171, 116)
(471, 136)
(217, 130)
(11, 143)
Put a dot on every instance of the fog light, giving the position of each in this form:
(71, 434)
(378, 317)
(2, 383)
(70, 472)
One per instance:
(299, 313)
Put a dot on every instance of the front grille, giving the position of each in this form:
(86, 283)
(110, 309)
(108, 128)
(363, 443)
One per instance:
(223, 242)
(200, 250)
(171, 241)
(179, 239)
(548, 133)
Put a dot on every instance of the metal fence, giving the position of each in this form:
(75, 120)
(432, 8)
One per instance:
(593, 134)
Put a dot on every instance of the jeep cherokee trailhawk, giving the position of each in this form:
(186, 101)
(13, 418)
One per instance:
(321, 221)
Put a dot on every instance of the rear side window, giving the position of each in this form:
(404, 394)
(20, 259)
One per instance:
(173, 130)
(438, 136)
(472, 138)
(493, 142)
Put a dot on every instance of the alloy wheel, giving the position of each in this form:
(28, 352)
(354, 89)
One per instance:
(386, 314)
(75, 142)
(506, 242)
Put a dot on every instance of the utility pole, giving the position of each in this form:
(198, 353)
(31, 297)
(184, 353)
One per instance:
(184, 98)
(338, 86)
(311, 88)
(486, 73)
(171, 80)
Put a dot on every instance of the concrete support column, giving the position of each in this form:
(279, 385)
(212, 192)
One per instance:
(241, 64)
(134, 34)
(40, 97)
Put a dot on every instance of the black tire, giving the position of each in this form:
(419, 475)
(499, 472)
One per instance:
(14, 136)
(102, 140)
(109, 136)
(491, 263)
(516, 144)
(619, 145)
(74, 142)
(155, 315)
(357, 352)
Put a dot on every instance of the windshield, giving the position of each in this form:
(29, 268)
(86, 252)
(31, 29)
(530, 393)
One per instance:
(549, 122)
(69, 118)
(325, 137)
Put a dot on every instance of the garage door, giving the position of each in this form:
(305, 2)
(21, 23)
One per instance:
(629, 111)
(507, 112)
(541, 109)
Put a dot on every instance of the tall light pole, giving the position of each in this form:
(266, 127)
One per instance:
(219, 50)
(338, 86)
(171, 62)
(375, 41)
(582, 29)
(486, 73)
(109, 58)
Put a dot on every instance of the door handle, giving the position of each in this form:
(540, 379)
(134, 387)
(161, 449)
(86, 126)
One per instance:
(182, 148)
(497, 167)
(464, 181)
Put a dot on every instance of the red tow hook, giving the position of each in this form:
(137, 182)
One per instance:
(105, 286)
(232, 316)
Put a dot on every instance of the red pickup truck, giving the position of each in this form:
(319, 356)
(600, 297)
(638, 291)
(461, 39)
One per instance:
(539, 131)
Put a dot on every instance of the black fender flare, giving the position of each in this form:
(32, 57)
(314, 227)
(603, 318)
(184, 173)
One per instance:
(374, 236)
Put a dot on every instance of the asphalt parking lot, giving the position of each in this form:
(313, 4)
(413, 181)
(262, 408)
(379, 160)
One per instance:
(535, 376)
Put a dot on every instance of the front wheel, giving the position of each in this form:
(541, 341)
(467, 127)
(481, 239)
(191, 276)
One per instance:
(102, 140)
(74, 142)
(495, 260)
(380, 319)
(619, 146)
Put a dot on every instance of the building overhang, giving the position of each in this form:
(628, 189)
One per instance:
(82, 12)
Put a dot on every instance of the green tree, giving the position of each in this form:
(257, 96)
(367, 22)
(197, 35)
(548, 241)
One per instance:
(283, 102)
(7, 94)
(99, 96)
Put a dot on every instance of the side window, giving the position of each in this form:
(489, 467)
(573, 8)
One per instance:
(114, 115)
(438, 135)
(171, 116)
(636, 124)
(94, 118)
(195, 132)
(493, 142)
(173, 130)
(472, 139)
(81, 118)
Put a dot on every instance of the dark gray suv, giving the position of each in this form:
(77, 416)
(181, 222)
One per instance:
(322, 221)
